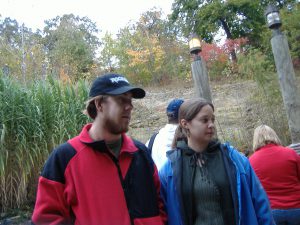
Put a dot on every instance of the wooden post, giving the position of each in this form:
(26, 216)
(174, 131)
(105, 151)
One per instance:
(200, 77)
(287, 80)
(201, 81)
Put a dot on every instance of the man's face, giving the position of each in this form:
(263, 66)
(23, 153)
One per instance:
(117, 113)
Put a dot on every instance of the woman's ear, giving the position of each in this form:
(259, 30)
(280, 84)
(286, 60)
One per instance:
(184, 123)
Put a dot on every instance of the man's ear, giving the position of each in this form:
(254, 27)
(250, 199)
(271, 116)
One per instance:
(98, 104)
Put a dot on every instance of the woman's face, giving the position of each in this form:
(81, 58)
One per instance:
(201, 128)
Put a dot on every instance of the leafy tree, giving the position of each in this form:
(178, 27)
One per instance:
(10, 46)
(21, 50)
(216, 59)
(148, 51)
(291, 26)
(107, 57)
(237, 18)
(36, 58)
(9, 32)
(71, 43)
(279, 3)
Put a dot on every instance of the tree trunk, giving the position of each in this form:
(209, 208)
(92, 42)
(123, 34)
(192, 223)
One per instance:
(229, 36)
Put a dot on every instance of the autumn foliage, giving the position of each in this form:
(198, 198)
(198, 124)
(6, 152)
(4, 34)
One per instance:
(234, 44)
(212, 53)
(217, 57)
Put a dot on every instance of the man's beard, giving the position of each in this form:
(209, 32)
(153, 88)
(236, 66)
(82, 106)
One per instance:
(115, 128)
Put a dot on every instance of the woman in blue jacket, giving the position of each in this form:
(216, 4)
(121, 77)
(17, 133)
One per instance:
(206, 182)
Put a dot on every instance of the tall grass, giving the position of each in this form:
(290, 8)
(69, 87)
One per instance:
(33, 120)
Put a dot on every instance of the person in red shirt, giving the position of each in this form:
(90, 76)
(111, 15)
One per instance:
(101, 176)
(278, 169)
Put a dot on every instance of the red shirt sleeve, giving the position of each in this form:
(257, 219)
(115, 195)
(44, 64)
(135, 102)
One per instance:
(51, 207)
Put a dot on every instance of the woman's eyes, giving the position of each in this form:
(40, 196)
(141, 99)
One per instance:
(206, 120)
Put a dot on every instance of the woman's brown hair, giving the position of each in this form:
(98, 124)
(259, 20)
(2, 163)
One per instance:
(188, 111)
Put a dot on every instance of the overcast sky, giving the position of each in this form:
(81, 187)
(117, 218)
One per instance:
(110, 15)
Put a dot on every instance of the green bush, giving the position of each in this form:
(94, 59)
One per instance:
(255, 65)
(216, 69)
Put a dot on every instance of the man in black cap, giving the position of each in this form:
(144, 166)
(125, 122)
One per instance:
(101, 176)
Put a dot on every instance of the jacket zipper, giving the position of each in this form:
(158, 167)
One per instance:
(116, 162)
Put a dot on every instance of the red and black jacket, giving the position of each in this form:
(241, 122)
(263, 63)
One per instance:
(83, 183)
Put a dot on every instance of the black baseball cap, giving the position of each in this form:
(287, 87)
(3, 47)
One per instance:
(114, 84)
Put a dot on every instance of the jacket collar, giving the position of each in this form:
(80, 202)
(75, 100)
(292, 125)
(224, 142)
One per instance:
(174, 154)
(267, 146)
(127, 145)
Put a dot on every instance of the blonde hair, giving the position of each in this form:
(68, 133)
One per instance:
(264, 135)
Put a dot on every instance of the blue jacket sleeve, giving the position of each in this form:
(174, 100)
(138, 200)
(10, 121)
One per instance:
(260, 199)
(170, 195)
(254, 206)
(163, 180)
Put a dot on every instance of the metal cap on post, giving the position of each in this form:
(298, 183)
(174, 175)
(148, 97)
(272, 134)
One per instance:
(194, 44)
(272, 17)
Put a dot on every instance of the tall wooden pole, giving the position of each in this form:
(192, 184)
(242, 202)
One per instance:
(200, 77)
(287, 80)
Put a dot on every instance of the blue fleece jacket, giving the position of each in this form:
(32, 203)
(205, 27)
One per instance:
(251, 204)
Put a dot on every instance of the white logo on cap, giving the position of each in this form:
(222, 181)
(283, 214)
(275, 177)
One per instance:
(117, 79)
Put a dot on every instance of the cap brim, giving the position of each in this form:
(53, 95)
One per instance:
(136, 92)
